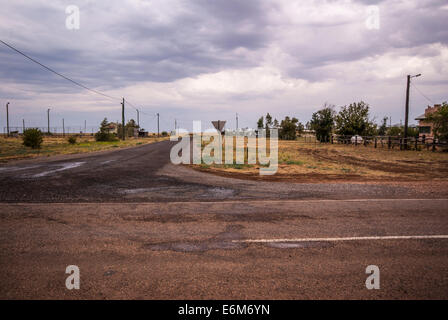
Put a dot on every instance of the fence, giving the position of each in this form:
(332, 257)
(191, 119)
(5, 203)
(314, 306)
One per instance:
(80, 130)
(389, 142)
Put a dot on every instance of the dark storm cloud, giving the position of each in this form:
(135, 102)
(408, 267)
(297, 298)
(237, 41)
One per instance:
(120, 44)
(160, 52)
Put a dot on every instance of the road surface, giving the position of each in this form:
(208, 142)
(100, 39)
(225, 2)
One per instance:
(140, 227)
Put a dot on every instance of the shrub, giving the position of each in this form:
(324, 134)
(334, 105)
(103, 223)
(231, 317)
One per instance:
(104, 134)
(72, 139)
(33, 138)
(164, 133)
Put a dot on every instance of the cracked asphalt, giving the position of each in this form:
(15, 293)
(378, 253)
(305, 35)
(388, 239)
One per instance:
(139, 227)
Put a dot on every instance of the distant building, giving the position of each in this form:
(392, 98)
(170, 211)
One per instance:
(426, 127)
(113, 127)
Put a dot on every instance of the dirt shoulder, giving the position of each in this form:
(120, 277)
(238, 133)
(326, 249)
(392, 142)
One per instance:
(310, 163)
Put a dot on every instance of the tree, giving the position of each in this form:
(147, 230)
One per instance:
(354, 120)
(32, 138)
(103, 134)
(383, 128)
(130, 126)
(276, 124)
(322, 122)
(288, 128)
(439, 121)
(260, 123)
(268, 121)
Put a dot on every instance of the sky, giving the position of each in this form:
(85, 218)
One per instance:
(212, 59)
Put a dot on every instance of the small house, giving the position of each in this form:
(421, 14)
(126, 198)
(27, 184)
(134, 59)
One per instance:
(425, 127)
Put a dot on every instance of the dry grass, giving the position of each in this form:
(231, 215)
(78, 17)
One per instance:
(299, 161)
(13, 149)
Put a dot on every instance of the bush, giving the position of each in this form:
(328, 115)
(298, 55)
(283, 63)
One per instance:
(32, 138)
(105, 136)
(164, 133)
(72, 139)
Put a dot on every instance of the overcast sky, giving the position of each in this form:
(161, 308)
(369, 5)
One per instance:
(209, 59)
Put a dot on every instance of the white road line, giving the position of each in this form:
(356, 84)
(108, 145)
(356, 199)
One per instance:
(344, 239)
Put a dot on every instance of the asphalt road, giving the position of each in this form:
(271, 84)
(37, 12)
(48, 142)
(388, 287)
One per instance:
(139, 227)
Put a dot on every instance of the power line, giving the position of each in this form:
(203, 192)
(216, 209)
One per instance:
(57, 73)
(415, 87)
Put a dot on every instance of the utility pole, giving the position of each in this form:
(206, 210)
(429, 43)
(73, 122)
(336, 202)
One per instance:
(175, 126)
(23, 125)
(48, 120)
(405, 136)
(406, 117)
(63, 128)
(122, 121)
(138, 118)
(158, 132)
(85, 126)
(7, 117)
(237, 122)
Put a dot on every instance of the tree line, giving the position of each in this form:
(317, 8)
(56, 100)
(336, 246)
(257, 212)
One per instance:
(351, 120)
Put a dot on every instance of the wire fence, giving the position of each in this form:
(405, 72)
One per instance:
(384, 142)
(80, 130)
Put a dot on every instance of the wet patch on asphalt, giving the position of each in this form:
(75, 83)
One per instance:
(58, 168)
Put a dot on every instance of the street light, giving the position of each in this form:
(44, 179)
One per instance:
(406, 118)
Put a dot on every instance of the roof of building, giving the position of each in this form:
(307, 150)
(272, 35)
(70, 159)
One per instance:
(421, 117)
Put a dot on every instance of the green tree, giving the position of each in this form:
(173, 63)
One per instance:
(130, 126)
(268, 121)
(260, 123)
(439, 121)
(33, 138)
(288, 128)
(103, 134)
(322, 122)
(354, 120)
